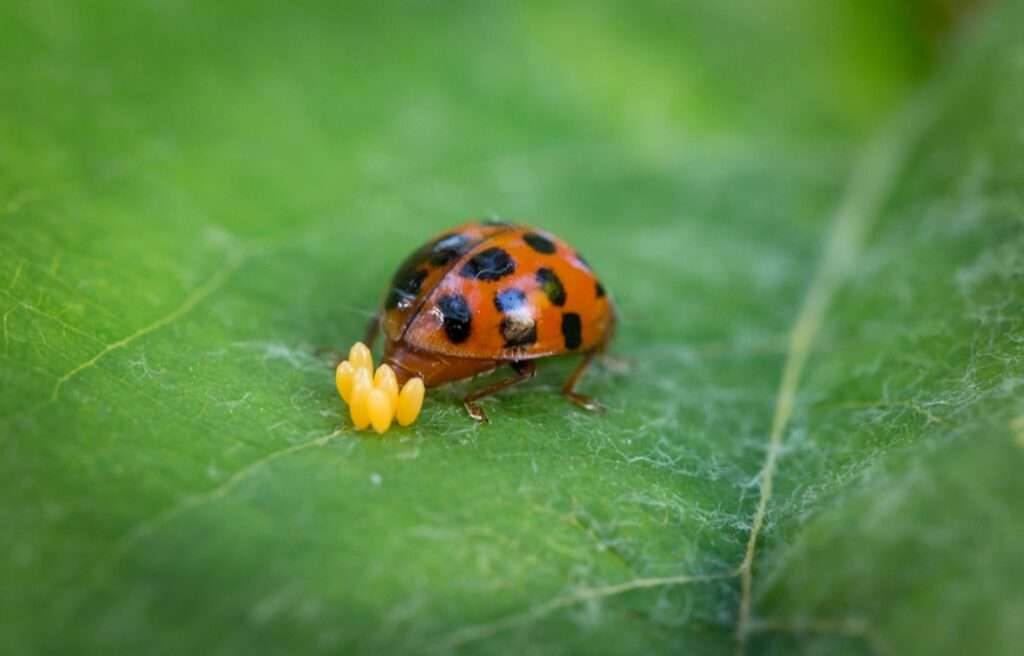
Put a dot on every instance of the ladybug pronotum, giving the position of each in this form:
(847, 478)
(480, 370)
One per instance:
(488, 294)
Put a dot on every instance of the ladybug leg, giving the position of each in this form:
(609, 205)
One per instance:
(568, 390)
(372, 328)
(524, 371)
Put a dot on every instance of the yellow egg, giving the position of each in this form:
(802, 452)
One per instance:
(358, 406)
(385, 380)
(410, 401)
(343, 378)
(360, 357)
(381, 410)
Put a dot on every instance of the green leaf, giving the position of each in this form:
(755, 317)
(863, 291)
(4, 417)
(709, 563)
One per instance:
(810, 217)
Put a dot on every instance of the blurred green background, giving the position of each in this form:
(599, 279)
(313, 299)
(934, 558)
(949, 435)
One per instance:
(801, 205)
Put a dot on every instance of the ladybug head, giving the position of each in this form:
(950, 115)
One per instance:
(411, 363)
(434, 368)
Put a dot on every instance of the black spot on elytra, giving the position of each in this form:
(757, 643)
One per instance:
(551, 285)
(457, 318)
(518, 326)
(490, 264)
(571, 330)
(449, 248)
(509, 300)
(410, 264)
(404, 288)
(519, 329)
(599, 288)
(539, 243)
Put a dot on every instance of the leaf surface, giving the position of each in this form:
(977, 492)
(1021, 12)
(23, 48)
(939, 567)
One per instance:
(810, 219)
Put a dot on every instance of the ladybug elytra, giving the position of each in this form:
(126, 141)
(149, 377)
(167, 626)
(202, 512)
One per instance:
(484, 295)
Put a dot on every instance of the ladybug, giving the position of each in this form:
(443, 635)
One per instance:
(485, 295)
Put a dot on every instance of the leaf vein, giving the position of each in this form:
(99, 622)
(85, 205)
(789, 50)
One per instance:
(870, 185)
(475, 632)
(191, 301)
(101, 571)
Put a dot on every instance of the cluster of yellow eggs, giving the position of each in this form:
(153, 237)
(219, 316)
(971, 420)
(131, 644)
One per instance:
(373, 398)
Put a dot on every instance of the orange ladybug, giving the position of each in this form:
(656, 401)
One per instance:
(483, 295)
